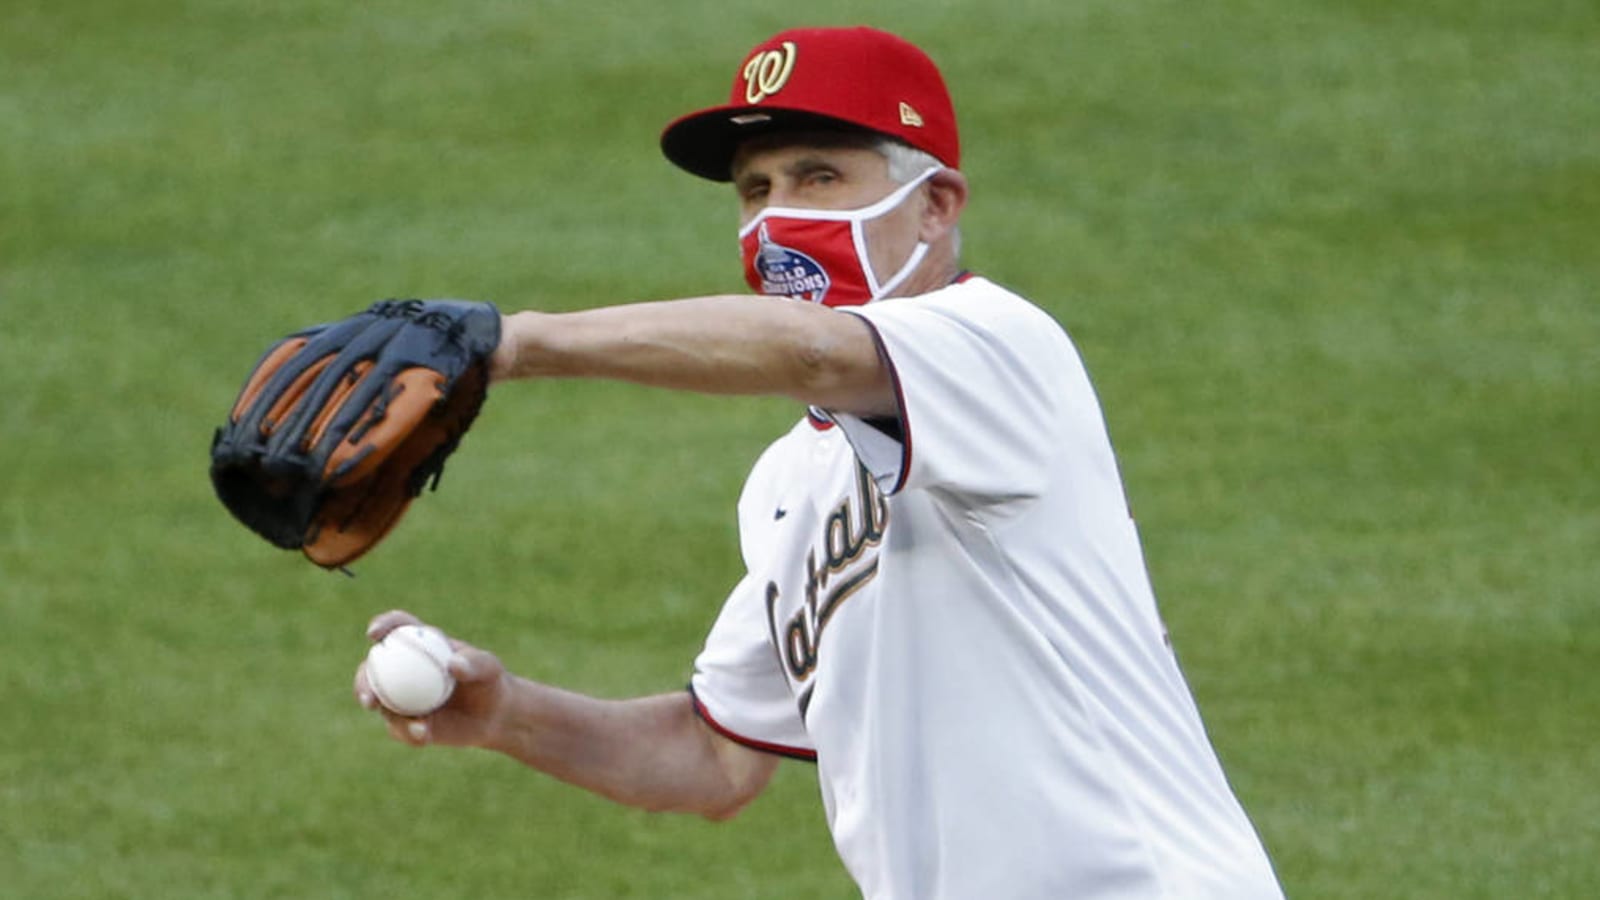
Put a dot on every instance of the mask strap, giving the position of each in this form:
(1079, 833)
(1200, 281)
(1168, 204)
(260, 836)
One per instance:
(858, 236)
(870, 211)
(895, 198)
(878, 293)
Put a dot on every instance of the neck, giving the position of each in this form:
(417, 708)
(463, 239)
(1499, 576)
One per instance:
(937, 270)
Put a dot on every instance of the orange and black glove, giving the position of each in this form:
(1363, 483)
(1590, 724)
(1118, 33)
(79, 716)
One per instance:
(340, 426)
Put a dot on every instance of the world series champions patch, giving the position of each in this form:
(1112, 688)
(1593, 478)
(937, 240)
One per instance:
(788, 272)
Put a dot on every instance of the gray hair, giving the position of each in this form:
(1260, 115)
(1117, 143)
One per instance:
(907, 162)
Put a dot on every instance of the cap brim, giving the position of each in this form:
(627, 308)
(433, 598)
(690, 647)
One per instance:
(704, 143)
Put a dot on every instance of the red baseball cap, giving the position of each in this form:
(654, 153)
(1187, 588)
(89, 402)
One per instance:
(821, 78)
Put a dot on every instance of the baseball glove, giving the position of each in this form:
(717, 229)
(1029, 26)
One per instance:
(340, 426)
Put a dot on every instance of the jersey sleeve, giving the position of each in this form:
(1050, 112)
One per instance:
(738, 687)
(976, 373)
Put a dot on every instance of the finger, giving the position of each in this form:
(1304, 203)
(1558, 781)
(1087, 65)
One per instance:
(408, 731)
(363, 688)
(383, 623)
(418, 731)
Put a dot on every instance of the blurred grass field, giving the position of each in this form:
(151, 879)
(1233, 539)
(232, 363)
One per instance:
(1333, 265)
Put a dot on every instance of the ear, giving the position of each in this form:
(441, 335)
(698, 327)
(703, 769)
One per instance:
(947, 197)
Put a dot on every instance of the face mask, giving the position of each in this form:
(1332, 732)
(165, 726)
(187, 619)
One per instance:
(820, 255)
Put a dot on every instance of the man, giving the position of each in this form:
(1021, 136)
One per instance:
(945, 604)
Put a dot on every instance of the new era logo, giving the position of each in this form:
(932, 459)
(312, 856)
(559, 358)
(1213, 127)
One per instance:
(909, 116)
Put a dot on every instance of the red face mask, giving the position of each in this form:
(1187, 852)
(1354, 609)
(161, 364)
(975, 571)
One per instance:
(820, 255)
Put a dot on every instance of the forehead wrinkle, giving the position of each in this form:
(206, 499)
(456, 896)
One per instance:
(805, 164)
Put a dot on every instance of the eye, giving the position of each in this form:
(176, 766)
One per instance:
(755, 192)
(822, 177)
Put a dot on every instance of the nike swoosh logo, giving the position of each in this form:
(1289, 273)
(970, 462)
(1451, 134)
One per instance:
(779, 513)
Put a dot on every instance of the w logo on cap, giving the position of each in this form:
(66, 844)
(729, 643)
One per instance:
(857, 77)
(767, 72)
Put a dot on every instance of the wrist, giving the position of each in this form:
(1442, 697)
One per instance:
(503, 361)
(505, 721)
(510, 357)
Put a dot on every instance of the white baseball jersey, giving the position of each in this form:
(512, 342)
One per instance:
(952, 617)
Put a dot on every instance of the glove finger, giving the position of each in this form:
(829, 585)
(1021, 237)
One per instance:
(365, 345)
(291, 397)
(274, 359)
(347, 386)
(359, 514)
(398, 412)
(277, 372)
(412, 348)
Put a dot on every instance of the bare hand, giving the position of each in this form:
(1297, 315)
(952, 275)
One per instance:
(471, 713)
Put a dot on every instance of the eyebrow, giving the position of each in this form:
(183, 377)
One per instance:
(796, 168)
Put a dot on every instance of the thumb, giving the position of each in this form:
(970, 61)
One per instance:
(469, 664)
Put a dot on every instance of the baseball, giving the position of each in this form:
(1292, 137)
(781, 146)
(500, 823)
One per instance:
(407, 670)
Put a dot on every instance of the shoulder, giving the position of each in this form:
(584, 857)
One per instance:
(974, 312)
(972, 299)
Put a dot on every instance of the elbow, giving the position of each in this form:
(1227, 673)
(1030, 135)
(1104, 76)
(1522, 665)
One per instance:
(737, 788)
(727, 808)
(835, 374)
(813, 362)
(712, 809)
(719, 805)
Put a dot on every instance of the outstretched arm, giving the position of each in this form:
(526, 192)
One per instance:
(716, 345)
(651, 752)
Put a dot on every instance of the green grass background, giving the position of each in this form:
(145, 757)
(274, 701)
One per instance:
(1333, 265)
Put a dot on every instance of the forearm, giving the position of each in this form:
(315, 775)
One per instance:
(717, 345)
(650, 752)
